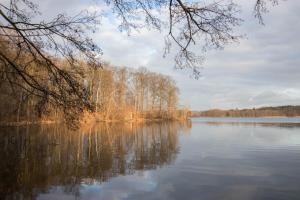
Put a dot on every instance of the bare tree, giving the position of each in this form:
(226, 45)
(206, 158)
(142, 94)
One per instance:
(45, 44)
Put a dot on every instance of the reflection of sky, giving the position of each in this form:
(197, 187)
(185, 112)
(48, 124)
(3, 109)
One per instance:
(117, 188)
(120, 188)
(215, 162)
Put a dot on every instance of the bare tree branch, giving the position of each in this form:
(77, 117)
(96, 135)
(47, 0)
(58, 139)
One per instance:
(190, 23)
(45, 44)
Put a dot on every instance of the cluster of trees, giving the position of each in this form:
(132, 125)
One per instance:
(35, 159)
(279, 111)
(122, 93)
(115, 94)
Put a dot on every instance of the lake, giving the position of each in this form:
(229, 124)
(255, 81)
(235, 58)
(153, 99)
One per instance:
(205, 158)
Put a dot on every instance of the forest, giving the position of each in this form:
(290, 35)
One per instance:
(279, 111)
(52, 71)
(115, 93)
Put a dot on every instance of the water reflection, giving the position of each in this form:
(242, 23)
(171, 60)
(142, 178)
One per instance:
(279, 125)
(35, 158)
(255, 122)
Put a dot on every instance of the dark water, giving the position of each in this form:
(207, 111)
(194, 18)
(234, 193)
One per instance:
(232, 159)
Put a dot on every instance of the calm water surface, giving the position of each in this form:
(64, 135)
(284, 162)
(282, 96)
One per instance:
(213, 159)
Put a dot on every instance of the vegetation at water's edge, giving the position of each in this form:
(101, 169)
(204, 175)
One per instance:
(117, 94)
(279, 111)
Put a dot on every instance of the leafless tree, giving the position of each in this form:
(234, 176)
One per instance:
(33, 51)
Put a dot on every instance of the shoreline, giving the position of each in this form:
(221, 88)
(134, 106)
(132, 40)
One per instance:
(23, 123)
(83, 123)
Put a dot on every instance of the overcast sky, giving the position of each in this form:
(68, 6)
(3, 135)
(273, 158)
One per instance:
(263, 69)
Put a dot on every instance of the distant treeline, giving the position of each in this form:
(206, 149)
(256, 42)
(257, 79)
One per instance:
(280, 111)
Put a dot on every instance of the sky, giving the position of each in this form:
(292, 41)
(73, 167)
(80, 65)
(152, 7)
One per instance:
(263, 69)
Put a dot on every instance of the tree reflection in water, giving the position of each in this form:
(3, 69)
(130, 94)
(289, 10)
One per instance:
(34, 158)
